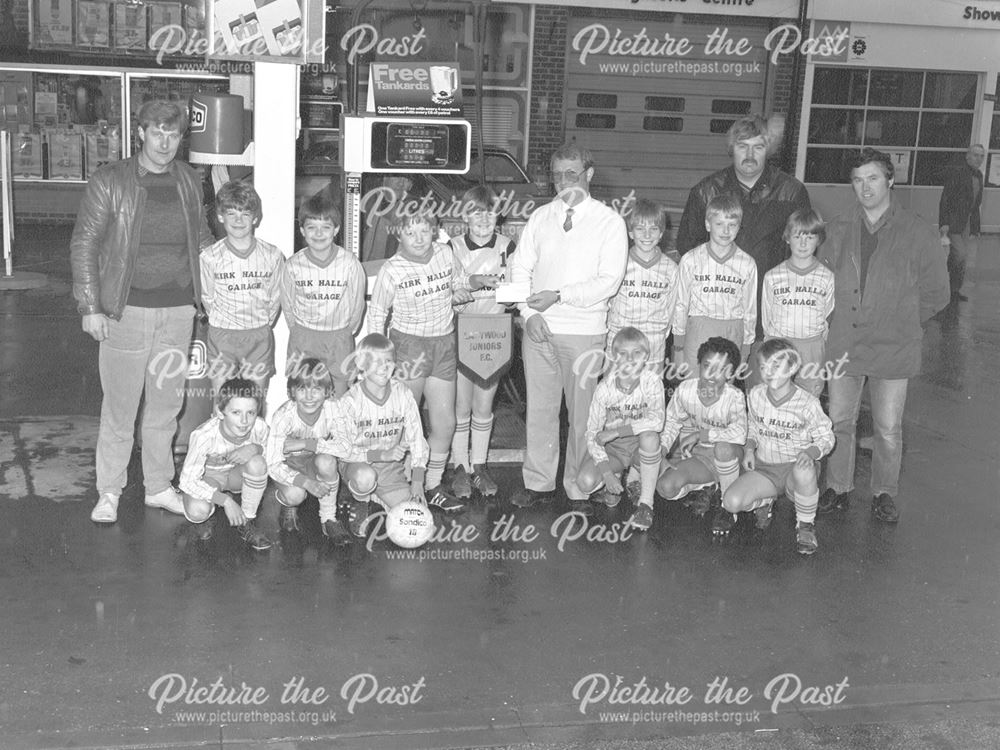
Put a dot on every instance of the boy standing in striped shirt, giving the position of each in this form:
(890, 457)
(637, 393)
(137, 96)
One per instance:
(322, 295)
(482, 253)
(717, 294)
(797, 298)
(788, 435)
(648, 293)
(240, 275)
(419, 285)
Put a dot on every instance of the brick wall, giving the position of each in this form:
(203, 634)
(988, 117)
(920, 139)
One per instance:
(548, 83)
(781, 94)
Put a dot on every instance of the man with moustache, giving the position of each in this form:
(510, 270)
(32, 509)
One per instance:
(768, 197)
(890, 279)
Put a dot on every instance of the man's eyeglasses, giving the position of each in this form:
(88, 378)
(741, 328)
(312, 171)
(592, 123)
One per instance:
(568, 176)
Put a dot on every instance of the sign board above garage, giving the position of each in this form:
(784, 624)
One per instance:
(730, 8)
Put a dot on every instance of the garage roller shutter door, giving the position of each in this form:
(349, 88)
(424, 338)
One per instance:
(651, 128)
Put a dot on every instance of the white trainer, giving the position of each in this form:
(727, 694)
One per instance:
(106, 510)
(169, 499)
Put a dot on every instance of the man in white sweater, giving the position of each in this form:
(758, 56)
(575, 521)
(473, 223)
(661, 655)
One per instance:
(573, 252)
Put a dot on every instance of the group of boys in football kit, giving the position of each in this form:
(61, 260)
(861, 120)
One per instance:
(353, 415)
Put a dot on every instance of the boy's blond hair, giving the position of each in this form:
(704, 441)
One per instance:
(724, 205)
(373, 343)
(647, 211)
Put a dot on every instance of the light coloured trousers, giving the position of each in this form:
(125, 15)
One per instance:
(147, 350)
(564, 366)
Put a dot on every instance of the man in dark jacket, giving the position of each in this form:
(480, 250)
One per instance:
(958, 215)
(134, 254)
(768, 196)
(890, 280)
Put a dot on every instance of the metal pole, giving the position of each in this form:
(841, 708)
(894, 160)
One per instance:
(6, 187)
(479, 38)
(794, 98)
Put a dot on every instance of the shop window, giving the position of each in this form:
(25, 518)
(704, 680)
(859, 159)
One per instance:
(716, 125)
(66, 124)
(843, 126)
(664, 103)
(950, 129)
(668, 124)
(893, 88)
(730, 106)
(950, 91)
(597, 122)
(922, 119)
(840, 86)
(828, 164)
(597, 101)
(933, 166)
(885, 127)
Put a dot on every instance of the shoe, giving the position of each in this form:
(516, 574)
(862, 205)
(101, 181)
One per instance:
(461, 482)
(604, 497)
(441, 499)
(357, 517)
(483, 482)
(722, 524)
(632, 491)
(288, 519)
(169, 499)
(763, 515)
(334, 531)
(526, 498)
(805, 539)
(250, 534)
(884, 509)
(581, 506)
(831, 500)
(106, 510)
(642, 519)
(205, 530)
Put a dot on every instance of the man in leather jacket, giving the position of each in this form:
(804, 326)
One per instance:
(768, 196)
(134, 255)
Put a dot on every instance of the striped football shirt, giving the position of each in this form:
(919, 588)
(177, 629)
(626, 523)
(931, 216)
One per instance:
(725, 420)
(207, 449)
(418, 293)
(723, 289)
(241, 293)
(639, 410)
(323, 296)
(286, 423)
(781, 430)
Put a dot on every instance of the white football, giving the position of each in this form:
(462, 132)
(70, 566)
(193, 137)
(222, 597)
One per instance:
(410, 524)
